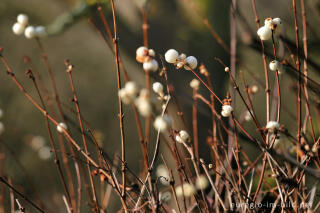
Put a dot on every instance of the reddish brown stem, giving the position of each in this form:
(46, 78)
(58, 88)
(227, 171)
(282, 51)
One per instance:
(305, 66)
(299, 75)
(75, 100)
(123, 151)
(195, 125)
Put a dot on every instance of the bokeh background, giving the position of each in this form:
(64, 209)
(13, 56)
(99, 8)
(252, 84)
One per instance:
(172, 24)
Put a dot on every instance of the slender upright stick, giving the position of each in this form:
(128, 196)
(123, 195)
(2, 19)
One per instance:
(75, 100)
(123, 153)
(195, 125)
(146, 72)
(305, 67)
(233, 51)
(299, 74)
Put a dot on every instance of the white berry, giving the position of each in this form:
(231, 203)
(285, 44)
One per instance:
(18, 28)
(314, 148)
(277, 21)
(182, 56)
(30, 32)
(142, 51)
(272, 126)
(151, 65)
(171, 56)
(23, 19)
(131, 89)
(274, 65)
(226, 110)
(188, 190)
(182, 137)
(195, 84)
(124, 96)
(37, 142)
(247, 116)
(44, 153)
(254, 89)
(191, 62)
(61, 127)
(264, 33)
(162, 123)
(151, 53)
(202, 182)
(163, 174)
(157, 88)
(144, 106)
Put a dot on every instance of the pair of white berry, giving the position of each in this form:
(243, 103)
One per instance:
(21, 26)
(129, 92)
(172, 56)
(146, 56)
(270, 25)
(226, 110)
(182, 137)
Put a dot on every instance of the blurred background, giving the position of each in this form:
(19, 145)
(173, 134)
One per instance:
(172, 24)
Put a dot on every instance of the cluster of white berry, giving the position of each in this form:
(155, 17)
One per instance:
(247, 116)
(130, 93)
(226, 111)
(189, 189)
(146, 56)
(21, 26)
(1, 124)
(172, 56)
(38, 144)
(270, 26)
(182, 137)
